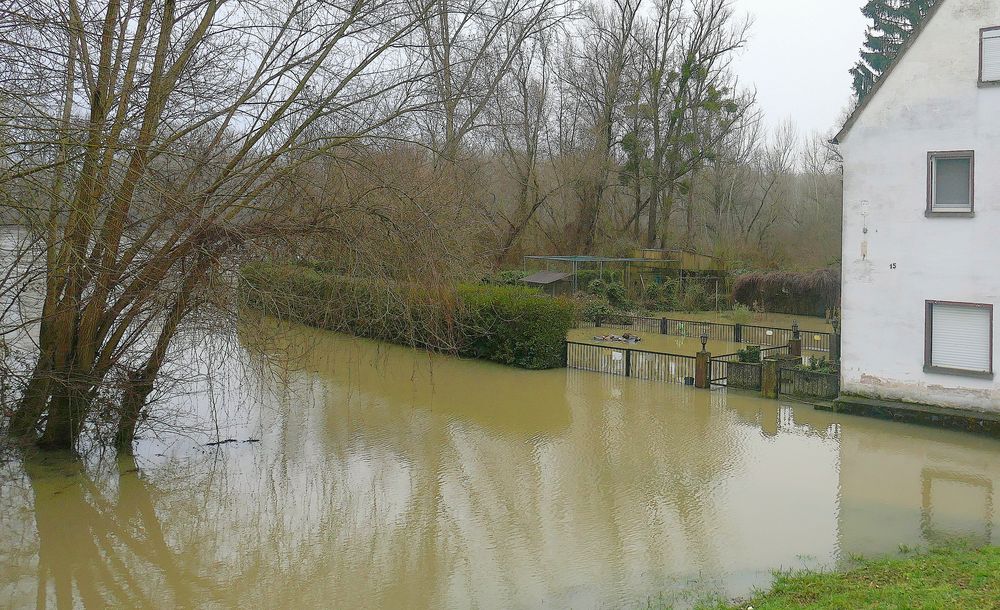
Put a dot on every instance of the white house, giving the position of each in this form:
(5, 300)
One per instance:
(921, 243)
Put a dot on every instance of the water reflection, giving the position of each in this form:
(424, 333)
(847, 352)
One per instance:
(391, 478)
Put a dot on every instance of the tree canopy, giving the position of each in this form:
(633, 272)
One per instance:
(892, 23)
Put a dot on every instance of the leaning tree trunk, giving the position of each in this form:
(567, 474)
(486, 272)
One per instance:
(140, 382)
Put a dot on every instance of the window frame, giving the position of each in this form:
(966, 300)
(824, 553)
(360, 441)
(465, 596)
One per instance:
(929, 340)
(932, 158)
(982, 44)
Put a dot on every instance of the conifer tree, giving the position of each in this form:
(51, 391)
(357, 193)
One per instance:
(892, 23)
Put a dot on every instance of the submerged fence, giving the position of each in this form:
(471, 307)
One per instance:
(720, 364)
(677, 368)
(716, 331)
(628, 362)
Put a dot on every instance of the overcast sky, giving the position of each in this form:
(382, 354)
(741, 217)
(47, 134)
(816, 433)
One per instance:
(798, 58)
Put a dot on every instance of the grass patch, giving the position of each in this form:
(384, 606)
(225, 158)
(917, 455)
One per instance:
(944, 578)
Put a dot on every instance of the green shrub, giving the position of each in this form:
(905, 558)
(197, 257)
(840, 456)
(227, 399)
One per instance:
(584, 279)
(750, 354)
(596, 309)
(598, 287)
(670, 293)
(511, 325)
(617, 295)
(405, 314)
(652, 294)
(514, 326)
(694, 298)
(741, 314)
(509, 277)
(819, 365)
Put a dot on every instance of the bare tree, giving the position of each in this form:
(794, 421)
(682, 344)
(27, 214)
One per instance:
(471, 46)
(154, 137)
(596, 73)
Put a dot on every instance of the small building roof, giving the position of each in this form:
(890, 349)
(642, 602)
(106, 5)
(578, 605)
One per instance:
(544, 278)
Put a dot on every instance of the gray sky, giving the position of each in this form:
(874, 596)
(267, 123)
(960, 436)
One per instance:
(798, 58)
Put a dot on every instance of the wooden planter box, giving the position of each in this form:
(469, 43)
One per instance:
(743, 375)
(810, 384)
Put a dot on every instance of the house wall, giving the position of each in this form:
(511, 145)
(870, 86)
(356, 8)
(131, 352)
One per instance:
(895, 258)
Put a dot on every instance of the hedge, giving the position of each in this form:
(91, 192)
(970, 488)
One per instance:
(809, 294)
(514, 326)
(510, 325)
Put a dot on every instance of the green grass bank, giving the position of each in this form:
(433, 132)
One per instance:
(952, 579)
(510, 325)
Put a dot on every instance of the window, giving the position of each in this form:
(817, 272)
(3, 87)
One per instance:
(989, 56)
(951, 183)
(958, 339)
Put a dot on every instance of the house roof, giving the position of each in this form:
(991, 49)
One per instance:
(544, 278)
(860, 108)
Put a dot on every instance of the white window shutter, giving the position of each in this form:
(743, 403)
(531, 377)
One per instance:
(960, 337)
(991, 56)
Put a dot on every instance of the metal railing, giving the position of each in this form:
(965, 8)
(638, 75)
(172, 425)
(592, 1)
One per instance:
(720, 368)
(628, 362)
(716, 331)
(720, 364)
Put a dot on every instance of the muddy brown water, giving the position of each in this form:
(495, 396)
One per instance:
(389, 478)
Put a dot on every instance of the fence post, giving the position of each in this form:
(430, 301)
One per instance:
(703, 370)
(628, 363)
(769, 378)
(663, 326)
(597, 321)
(795, 343)
(835, 340)
(737, 333)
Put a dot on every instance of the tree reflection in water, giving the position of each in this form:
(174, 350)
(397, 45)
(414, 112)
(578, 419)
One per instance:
(389, 478)
(100, 542)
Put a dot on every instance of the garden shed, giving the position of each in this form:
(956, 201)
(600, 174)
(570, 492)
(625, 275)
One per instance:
(552, 283)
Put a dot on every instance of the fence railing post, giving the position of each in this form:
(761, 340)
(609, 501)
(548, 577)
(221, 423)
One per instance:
(663, 326)
(737, 333)
(628, 363)
(703, 370)
(769, 380)
(795, 343)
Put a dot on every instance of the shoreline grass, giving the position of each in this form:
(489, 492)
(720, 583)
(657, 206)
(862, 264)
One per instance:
(946, 578)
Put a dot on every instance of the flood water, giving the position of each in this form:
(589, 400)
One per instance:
(386, 477)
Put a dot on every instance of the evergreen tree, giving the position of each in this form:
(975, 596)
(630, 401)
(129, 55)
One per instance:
(892, 23)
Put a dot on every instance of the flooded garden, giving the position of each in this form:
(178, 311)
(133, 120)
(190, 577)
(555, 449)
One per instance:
(357, 474)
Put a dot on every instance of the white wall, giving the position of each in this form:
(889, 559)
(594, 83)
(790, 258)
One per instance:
(930, 102)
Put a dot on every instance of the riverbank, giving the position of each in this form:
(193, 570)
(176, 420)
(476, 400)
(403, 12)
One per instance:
(944, 578)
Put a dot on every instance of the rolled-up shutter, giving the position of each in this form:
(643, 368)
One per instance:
(960, 337)
(991, 56)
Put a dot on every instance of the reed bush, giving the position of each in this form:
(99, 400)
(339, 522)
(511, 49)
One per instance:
(811, 293)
